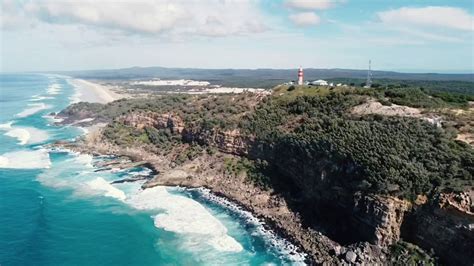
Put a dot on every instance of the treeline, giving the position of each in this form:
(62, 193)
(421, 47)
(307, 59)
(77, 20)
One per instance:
(313, 142)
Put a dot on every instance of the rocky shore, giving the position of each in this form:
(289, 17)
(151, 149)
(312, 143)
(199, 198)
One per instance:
(375, 213)
(360, 229)
(207, 171)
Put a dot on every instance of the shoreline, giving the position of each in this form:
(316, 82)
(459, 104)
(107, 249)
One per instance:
(272, 211)
(87, 91)
(284, 239)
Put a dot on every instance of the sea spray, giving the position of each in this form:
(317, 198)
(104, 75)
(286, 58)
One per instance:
(184, 216)
(25, 159)
(33, 109)
(280, 245)
(27, 135)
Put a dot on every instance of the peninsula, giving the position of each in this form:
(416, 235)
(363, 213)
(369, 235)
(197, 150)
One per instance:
(348, 174)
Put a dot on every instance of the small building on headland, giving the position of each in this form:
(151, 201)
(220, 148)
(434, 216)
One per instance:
(319, 82)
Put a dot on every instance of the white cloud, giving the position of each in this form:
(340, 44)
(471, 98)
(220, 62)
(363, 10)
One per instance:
(305, 19)
(311, 4)
(11, 15)
(152, 17)
(435, 16)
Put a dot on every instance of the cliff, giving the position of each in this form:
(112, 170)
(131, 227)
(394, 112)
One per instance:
(338, 188)
(446, 225)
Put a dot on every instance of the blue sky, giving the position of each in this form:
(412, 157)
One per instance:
(414, 36)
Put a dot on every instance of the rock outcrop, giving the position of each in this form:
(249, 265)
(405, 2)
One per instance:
(379, 218)
(446, 225)
(142, 120)
(228, 141)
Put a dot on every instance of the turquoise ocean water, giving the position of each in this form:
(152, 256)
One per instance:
(57, 209)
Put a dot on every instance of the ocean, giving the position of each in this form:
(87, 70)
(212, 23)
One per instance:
(56, 208)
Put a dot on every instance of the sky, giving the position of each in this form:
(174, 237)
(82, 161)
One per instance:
(400, 35)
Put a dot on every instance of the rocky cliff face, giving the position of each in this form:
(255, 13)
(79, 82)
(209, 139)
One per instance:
(445, 225)
(379, 218)
(228, 141)
(142, 120)
(375, 220)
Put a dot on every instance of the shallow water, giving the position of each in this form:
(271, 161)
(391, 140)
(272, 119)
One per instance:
(55, 209)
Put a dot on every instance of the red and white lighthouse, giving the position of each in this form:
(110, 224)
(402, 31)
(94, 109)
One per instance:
(300, 76)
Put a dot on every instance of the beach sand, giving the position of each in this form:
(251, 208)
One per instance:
(93, 92)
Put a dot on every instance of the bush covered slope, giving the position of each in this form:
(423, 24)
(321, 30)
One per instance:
(307, 138)
(315, 142)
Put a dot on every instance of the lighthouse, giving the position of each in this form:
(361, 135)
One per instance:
(300, 76)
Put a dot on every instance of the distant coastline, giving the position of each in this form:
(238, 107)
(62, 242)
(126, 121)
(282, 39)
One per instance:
(93, 92)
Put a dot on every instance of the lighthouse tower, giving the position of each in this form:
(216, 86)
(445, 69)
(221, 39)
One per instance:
(300, 76)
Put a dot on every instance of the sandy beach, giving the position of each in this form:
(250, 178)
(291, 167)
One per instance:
(92, 92)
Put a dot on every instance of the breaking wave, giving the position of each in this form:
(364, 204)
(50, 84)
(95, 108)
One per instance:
(184, 216)
(27, 135)
(100, 184)
(33, 109)
(36, 98)
(31, 159)
(280, 245)
(6, 125)
(54, 89)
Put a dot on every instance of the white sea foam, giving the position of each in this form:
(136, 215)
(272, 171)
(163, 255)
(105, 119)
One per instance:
(53, 119)
(76, 97)
(185, 216)
(27, 135)
(36, 98)
(33, 109)
(77, 173)
(25, 159)
(7, 125)
(100, 184)
(85, 120)
(280, 245)
(54, 89)
(85, 159)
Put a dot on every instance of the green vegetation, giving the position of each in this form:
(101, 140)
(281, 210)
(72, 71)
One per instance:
(404, 253)
(255, 170)
(307, 138)
(400, 94)
(317, 145)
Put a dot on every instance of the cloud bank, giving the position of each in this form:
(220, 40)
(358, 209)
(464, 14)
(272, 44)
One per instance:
(214, 18)
(312, 4)
(305, 19)
(431, 16)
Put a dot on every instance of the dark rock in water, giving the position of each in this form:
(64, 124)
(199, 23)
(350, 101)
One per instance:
(130, 179)
(103, 169)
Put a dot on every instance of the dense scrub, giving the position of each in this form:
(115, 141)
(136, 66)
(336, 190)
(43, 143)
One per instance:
(418, 97)
(315, 143)
(312, 141)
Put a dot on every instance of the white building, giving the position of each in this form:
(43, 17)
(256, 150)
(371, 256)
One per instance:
(319, 82)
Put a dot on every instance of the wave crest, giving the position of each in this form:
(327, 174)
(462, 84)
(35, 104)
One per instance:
(35, 159)
(33, 109)
(27, 135)
(185, 216)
